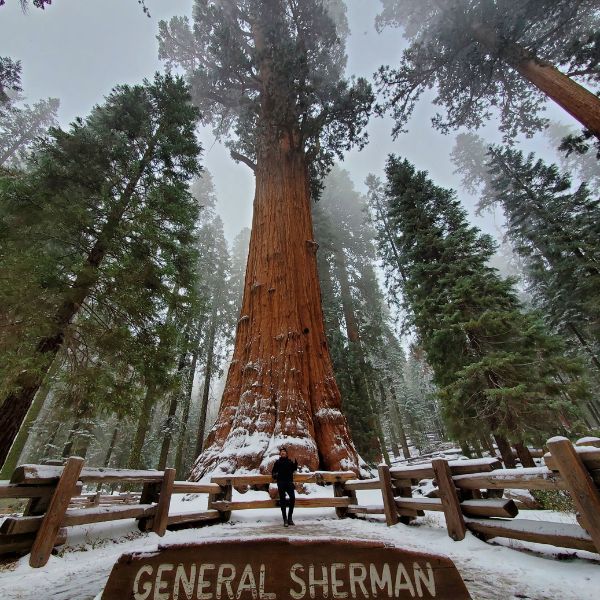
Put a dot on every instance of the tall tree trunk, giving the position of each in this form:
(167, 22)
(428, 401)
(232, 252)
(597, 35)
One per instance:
(208, 369)
(143, 425)
(19, 399)
(506, 452)
(356, 357)
(18, 445)
(169, 425)
(280, 386)
(524, 455)
(109, 452)
(397, 418)
(68, 447)
(49, 445)
(584, 343)
(579, 102)
(187, 401)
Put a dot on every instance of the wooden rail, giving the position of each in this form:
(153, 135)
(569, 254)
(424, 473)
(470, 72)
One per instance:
(56, 502)
(467, 493)
(467, 489)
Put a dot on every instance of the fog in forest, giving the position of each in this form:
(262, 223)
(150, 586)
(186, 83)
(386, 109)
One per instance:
(76, 51)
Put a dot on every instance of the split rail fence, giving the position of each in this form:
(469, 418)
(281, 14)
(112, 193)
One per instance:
(468, 492)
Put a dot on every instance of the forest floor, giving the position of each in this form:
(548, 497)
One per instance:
(504, 571)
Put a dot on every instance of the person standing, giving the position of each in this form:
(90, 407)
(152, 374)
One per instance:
(283, 473)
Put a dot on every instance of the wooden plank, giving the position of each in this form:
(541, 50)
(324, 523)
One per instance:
(51, 522)
(79, 516)
(316, 477)
(367, 509)
(20, 525)
(590, 456)
(504, 507)
(47, 474)
(538, 478)
(358, 484)
(472, 508)
(588, 441)
(228, 506)
(100, 514)
(564, 535)
(11, 490)
(191, 487)
(161, 516)
(340, 491)
(390, 511)
(205, 515)
(458, 467)
(150, 492)
(21, 543)
(452, 511)
(582, 489)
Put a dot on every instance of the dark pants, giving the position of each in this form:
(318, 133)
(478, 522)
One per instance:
(283, 488)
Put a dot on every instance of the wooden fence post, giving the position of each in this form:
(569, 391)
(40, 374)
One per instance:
(161, 516)
(389, 504)
(150, 494)
(339, 491)
(581, 486)
(455, 522)
(51, 522)
(225, 494)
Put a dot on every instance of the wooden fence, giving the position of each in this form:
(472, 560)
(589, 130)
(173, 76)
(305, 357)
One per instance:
(468, 492)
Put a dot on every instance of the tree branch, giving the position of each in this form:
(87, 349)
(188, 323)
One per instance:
(241, 158)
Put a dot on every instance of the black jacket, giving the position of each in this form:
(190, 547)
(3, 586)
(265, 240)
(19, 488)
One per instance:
(283, 470)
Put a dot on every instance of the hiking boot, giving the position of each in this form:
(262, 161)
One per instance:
(285, 523)
(290, 522)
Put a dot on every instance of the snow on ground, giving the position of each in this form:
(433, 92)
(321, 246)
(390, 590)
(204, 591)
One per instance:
(490, 571)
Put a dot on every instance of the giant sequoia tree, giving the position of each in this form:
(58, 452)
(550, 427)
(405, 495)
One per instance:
(268, 74)
(484, 56)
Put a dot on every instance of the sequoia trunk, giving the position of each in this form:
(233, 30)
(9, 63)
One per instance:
(280, 387)
(579, 102)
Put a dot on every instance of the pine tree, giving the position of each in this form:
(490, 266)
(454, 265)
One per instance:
(20, 126)
(269, 76)
(103, 203)
(553, 225)
(497, 368)
(495, 57)
(10, 80)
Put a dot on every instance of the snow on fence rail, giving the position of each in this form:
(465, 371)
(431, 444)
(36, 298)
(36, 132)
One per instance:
(469, 493)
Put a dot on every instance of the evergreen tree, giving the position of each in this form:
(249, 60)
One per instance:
(497, 368)
(104, 208)
(10, 80)
(553, 225)
(268, 75)
(19, 128)
(484, 57)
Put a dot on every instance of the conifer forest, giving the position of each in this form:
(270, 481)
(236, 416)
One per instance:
(364, 230)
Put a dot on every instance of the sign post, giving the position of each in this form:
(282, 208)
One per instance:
(280, 567)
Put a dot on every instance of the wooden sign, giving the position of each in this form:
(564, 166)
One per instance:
(280, 567)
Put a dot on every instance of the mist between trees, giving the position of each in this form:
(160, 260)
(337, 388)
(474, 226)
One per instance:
(354, 327)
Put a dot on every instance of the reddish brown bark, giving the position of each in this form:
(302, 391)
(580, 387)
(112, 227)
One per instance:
(280, 387)
(579, 102)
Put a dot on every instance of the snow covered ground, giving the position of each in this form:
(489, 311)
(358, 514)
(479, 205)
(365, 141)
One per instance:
(490, 571)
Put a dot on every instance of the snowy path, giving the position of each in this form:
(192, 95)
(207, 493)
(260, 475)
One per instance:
(490, 571)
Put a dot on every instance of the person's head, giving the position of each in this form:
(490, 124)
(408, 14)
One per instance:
(283, 452)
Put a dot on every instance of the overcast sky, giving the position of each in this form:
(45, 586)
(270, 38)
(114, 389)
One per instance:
(77, 50)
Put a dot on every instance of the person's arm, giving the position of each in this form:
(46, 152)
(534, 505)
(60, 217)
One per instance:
(274, 470)
(295, 464)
